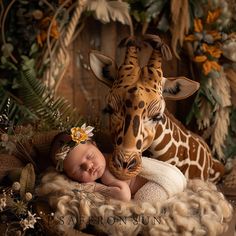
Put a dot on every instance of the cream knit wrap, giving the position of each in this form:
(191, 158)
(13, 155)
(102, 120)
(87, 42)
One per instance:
(165, 180)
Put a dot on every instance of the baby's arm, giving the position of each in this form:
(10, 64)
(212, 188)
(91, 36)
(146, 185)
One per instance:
(115, 188)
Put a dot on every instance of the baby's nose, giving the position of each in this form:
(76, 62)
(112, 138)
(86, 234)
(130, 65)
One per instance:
(87, 166)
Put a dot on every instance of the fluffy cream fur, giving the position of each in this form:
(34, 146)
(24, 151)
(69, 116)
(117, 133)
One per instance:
(199, 210)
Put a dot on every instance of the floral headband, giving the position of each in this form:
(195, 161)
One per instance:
(78, 135)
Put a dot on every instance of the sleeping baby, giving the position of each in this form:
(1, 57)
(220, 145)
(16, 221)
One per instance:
(79, 158)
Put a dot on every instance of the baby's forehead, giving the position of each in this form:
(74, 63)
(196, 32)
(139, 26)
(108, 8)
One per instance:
(79, 150)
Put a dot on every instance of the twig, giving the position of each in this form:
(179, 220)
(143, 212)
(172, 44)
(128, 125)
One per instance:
(2, 11)
(48, 4)
(48, 38)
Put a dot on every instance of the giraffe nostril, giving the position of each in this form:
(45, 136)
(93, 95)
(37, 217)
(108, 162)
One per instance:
(117, 162)
(132, 164)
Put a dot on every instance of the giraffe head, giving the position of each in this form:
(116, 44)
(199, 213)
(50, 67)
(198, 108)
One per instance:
(135, 102)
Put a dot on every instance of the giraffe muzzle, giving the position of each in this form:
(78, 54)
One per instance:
(124, 166)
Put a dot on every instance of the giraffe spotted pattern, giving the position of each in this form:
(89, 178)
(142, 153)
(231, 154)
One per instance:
(139, 122)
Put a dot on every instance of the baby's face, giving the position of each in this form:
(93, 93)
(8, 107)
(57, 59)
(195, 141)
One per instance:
(85, 163)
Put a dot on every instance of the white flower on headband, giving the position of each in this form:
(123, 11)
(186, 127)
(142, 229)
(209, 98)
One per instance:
(81, 134)
(61, 156)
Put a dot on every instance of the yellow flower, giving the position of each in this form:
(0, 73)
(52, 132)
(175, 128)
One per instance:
(81, 134)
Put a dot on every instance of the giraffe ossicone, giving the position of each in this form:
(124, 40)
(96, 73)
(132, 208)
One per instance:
(138, 117)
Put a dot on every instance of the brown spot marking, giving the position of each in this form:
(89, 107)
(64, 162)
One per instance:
(164, 142)
(147, 90)
(171, 151)
(206, 168)
(136, 123)
(182, 136)
(131, 90)
(201, 157)
(159, 130)
(171, 124)
(194, 172)
(175, 133)
(167, 124)
(182, 153)
(127, 123)
(183, 168)
(193, 146)
(141, 104)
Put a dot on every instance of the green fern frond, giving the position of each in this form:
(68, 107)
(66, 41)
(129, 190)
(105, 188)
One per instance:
(55, 112)
(12, 111)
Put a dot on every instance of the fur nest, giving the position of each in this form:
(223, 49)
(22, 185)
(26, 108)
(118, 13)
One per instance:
(200, 210)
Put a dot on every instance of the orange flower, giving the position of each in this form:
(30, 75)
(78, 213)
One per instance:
(215, 34)
(44, 25)
(213, 16)
(41, 37)
(208, 66)
(190, 38)
(212, 50)
(198, 25)
(201, 58)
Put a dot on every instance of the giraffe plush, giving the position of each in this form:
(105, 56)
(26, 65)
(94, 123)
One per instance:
(139, 120)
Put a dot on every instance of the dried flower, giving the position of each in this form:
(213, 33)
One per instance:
(29, 222)
(16, 186)
(81, 134)
(4, 137)
(19, 207)
(28, 196)
(3, 203)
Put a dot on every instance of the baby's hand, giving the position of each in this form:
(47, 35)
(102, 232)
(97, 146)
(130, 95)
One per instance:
(116, 188)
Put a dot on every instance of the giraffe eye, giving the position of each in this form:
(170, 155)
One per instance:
(156, 118)
(108, 109)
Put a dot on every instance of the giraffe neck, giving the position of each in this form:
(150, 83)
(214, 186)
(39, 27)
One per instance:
(178, 146)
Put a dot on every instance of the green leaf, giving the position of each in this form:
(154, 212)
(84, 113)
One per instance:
(3, 60)
(34, 48)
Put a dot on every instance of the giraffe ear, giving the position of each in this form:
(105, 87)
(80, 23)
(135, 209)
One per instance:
(177, 88)
(103, 67)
